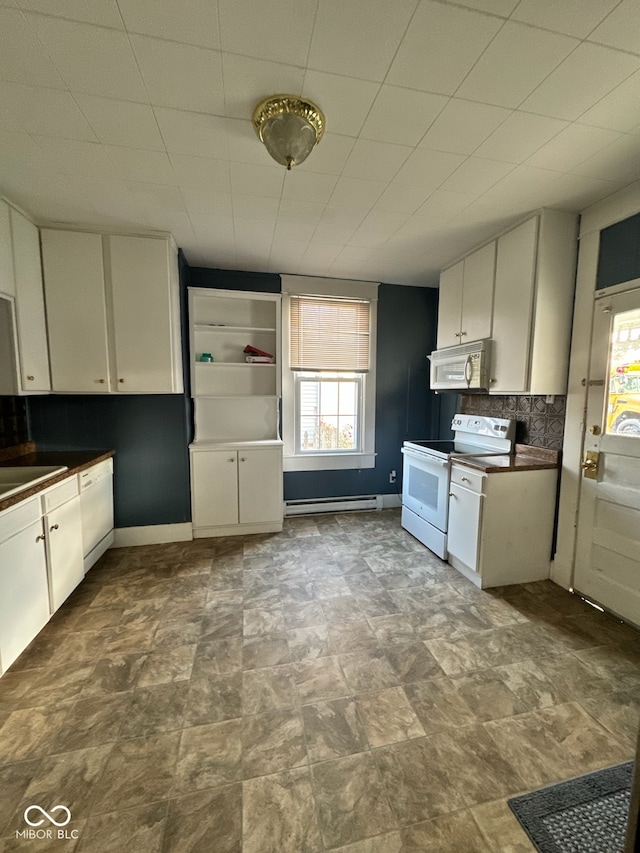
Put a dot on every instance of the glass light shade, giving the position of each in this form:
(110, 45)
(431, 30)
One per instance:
(289, 127)
(288, 138)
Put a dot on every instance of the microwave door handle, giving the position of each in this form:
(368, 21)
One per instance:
(467, 370)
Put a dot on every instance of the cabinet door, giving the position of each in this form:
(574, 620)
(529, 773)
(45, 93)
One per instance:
(24, 595)
(465, 518)
(512, 308)
(76, 310)
(260, 484)
(144, 330)
(7, 282)
(477, 294)
(214, 487)
(64, 546)
(450, 306)
(30, 316)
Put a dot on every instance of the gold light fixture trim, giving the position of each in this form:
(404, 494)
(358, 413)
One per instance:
(289, 127)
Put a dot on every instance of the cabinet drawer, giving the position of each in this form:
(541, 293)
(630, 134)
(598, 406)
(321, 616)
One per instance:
(463, 476)
(60, 494)
(18, 517)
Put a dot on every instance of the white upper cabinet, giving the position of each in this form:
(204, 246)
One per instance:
(533, 305)
(466, 298)
(113, 312)
(25, 360)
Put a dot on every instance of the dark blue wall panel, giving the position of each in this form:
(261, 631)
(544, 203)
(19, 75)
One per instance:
(619, 258)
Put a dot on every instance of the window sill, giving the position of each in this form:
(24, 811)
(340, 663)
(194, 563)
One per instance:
(329, 461)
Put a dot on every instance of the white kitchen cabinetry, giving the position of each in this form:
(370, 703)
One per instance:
(236, 457)
(466, 296)
(63, 529)
(533, 304)
(236, 490)
(24, 359)
(113, 312)
(501, 524)
(24, 591)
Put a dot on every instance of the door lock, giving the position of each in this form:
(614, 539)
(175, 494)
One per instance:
(590, 464)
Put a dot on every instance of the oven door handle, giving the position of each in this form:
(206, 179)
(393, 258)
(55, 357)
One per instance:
(425, 458)
(468, 370)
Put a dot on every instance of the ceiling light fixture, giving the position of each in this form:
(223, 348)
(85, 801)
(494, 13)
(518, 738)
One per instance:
(290, 127)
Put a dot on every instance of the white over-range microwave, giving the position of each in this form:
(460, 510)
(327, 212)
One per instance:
(462, 367)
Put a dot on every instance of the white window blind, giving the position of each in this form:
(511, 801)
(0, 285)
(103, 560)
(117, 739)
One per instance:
(329, 334)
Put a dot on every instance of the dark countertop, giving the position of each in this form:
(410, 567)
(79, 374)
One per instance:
(526, 458)
(27, 454)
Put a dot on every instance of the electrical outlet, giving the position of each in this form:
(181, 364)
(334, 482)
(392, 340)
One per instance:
(392, 476)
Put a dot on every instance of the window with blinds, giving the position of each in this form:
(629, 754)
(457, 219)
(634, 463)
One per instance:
(327, 333)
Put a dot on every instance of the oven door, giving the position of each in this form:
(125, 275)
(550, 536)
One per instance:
(425, 486)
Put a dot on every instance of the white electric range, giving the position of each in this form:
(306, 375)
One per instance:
(426, 471)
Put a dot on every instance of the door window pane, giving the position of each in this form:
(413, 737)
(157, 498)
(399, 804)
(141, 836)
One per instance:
(623, 399)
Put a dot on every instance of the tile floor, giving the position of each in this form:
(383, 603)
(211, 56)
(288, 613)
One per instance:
(332, 687)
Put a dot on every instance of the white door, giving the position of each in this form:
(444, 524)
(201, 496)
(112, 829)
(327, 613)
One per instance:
(477, 294)
(214, 487)
(608, 549)
(260, 485)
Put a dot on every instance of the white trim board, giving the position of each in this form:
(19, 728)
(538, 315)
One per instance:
(152, 534)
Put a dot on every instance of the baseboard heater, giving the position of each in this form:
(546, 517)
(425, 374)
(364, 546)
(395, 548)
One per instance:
(312, 506)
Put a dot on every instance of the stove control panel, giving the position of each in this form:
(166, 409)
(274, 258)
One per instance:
(486, 426)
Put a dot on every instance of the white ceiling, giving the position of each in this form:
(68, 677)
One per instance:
(445, 122)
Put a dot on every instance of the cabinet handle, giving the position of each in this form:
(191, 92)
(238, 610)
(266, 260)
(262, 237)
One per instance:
(30, 378)
(121, 381)
(54, 527)
(462, 334)
(458, 334)
(231, 460)
(38, 538)
(451, 495)
(464, 479)
(101, 381)
(242, 459)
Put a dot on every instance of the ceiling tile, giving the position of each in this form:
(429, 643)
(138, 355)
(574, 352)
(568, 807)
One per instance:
(211, 176)
(379, 160)
(255, 207)
(573, 192)
(204, 201)
(50, 112)
(377, 227)
(193, 133)
(355, 192)
(304, 212)
(330, 156)
(462, 126)
(521, 183)
(247, 81)
(519, 137)
(618, 162)
(495, 7)
(91, 59)
(359, 38)
(621, 28)
(445, 204)
(587, 75)
(121, 122)
(345, 101)
(441, 46)
(136, 165)
(429, 168)
(22, 59)
(333, 234)
(189, 21)
(476, 175)
(572, 17)
(571, 147)
(617, 110)
(102, 12)
(528, 54)
(281, 31)
(156, 196)
(308, 186)
(403, 197)
(342, 217)
(402, 115)
(73, 157)
(180, 75)
(299, 232)
(257, 180)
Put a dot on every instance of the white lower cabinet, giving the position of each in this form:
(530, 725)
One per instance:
(236, 489)
(40, 564)
(501, 524)
(24, 591)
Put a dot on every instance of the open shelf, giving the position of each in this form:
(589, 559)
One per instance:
(218, 327)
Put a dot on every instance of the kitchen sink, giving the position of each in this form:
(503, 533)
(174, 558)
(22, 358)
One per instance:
(17, 478)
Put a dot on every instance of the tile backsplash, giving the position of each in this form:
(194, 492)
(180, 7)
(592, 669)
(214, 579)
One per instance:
(13, 421)
(538, 423)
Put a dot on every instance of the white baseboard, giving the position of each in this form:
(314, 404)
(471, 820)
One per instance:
(153, 534)
(237, 529)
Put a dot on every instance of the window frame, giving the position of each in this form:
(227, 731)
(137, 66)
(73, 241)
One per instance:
(327, 460)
